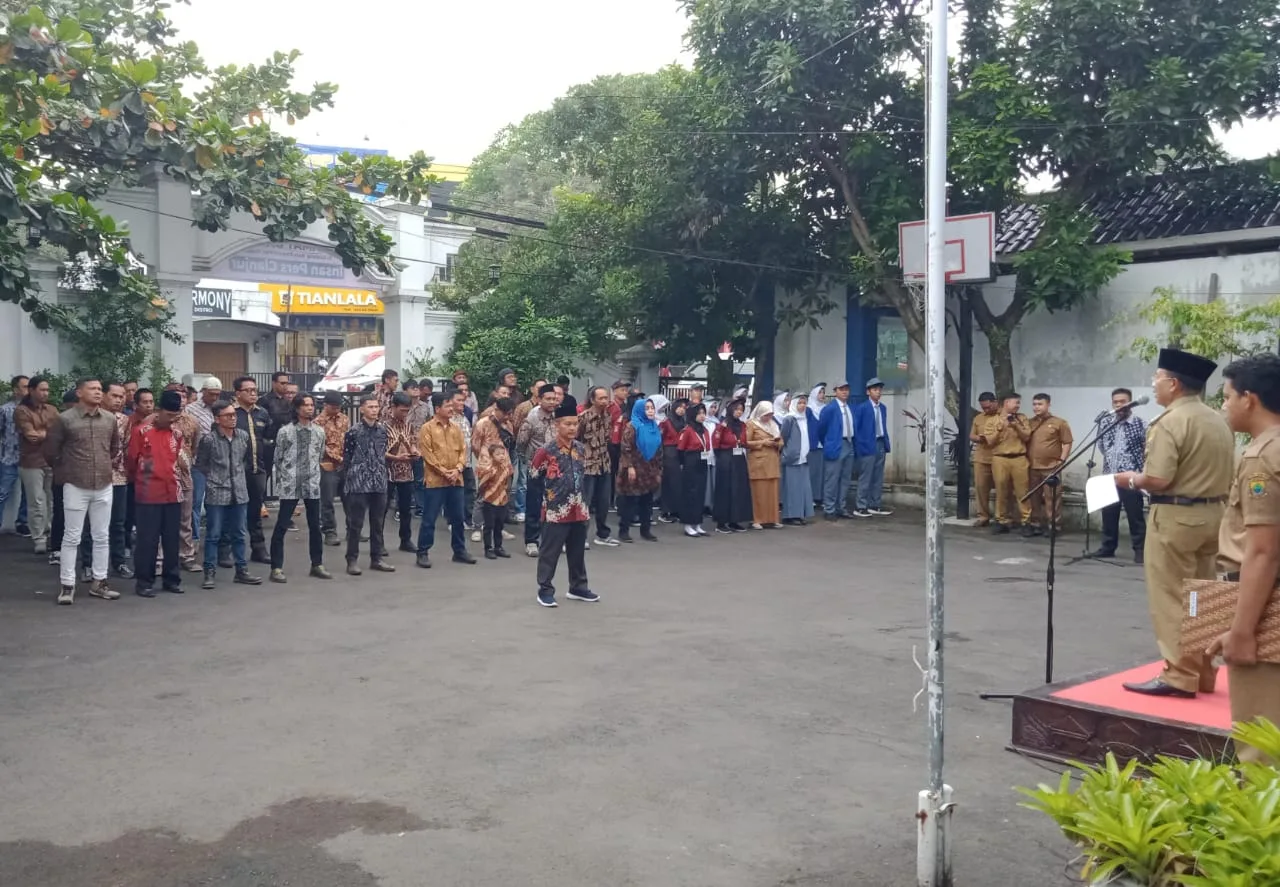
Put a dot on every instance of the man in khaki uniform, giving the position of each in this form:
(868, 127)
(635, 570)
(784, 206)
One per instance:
(1249, 540)
(1187, 472)
(1048, 448)
(1007, 433)
(982, 479)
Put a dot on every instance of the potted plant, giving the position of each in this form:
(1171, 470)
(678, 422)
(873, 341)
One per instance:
(1186, 823)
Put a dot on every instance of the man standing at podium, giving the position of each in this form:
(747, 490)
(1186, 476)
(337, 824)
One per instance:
(1188, 469)
(1249, 541)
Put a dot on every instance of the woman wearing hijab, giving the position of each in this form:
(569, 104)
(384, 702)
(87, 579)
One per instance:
(695, 455)
(797, 497)
(731, 502)
(817, 400)
(671, 425)
(639, 470)
(764, 444)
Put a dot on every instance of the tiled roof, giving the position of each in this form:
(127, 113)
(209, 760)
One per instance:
(1161, 208)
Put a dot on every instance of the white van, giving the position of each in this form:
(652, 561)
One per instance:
(356, 370)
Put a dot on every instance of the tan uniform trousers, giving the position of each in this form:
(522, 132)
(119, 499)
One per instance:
(1046, 502)
(1182, 543)
(1255, 692)
(1010, 473)
(983, 484)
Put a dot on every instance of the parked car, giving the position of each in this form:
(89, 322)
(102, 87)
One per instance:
(356, 370)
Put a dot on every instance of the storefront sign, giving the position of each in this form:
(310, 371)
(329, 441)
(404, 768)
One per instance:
(210, 303)
(297, 299)
(299, 263)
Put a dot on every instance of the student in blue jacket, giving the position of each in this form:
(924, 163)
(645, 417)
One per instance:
(835, 431)
(871, 444)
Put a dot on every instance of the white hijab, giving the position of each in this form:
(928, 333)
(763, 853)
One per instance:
(758, 414)
(802, 423)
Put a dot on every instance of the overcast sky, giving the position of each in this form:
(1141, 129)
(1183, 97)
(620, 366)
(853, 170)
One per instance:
(444, 78)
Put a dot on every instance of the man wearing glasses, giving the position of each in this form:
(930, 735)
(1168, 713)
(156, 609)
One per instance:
(256, 423)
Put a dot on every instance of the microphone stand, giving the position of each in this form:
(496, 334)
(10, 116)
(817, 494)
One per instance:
(1052, 480)
(1087, 554)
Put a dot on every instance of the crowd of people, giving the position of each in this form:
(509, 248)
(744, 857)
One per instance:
(123, 481)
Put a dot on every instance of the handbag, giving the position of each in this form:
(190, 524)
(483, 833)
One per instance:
(1209, 606)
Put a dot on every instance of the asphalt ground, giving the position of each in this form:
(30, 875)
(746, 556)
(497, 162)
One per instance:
(735, 712)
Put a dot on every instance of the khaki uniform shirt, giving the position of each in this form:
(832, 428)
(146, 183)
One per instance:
(1007, 442)
(1254, 500)
(1190, 445)
(1049, 435)
(981, 451)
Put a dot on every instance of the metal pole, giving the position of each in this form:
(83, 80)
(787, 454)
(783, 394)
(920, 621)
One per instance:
(933, 857)
(964, 472)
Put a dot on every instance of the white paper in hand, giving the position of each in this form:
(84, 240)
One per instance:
(1099, 492)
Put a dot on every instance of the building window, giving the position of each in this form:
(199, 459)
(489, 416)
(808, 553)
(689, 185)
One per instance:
(893, 351)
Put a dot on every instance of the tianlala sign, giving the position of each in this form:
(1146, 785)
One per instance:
(302, 299)
(210, 302)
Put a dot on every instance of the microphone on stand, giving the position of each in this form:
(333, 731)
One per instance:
(1106, 414)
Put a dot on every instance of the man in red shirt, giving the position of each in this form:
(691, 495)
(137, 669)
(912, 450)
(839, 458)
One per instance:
(152, 462)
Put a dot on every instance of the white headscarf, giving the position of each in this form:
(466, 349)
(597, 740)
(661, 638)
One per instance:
(816, 405)
(782, 404)
(762, 409)
(802, 423)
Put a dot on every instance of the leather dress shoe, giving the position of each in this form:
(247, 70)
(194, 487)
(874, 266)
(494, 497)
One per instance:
(1157, 687)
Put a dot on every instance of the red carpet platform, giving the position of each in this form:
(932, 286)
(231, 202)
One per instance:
(1084, 718)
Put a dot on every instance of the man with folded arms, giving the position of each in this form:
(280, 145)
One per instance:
(1249, 538)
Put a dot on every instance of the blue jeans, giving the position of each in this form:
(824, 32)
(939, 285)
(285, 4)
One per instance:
(837, 473)
(522, 484)
(434, 499)
(8, 480)
(197, 502)
(871, 477)
(228, 521)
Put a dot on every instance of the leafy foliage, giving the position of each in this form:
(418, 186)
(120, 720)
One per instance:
(1194, 823)
(534, 346)
(95, 95)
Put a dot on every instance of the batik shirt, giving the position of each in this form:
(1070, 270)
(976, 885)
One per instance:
(299, 449)
(400, 442)
(1123, 444)
(594, 430)
(8, 434)
(364, 453)
(562, 472)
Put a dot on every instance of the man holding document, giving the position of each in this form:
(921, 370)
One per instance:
(1189, 464)
(1249, 539)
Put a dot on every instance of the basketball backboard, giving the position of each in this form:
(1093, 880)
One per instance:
(970, 249)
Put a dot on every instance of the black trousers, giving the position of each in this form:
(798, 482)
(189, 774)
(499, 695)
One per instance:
(157, 529)
(360, 505)
(597, 490)
(315, 537)
(403, 491)
(635, 509)
(495, 518)
(572, 537)
(257, 484)
(1131, 502)
(330, 489)
(535, 492)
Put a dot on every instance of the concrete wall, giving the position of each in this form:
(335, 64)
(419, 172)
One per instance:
(1076, 357)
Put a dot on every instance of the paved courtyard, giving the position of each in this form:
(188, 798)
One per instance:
(736, 712)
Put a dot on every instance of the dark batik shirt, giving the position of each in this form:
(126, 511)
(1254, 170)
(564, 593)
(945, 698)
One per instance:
(364, 453)
(562, 473)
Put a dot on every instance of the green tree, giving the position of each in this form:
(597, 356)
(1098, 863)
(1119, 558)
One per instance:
(96, 94)
(1094, 93)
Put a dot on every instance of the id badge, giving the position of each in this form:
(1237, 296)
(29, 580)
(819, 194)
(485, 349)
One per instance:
(706, 455)
(739, 451)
